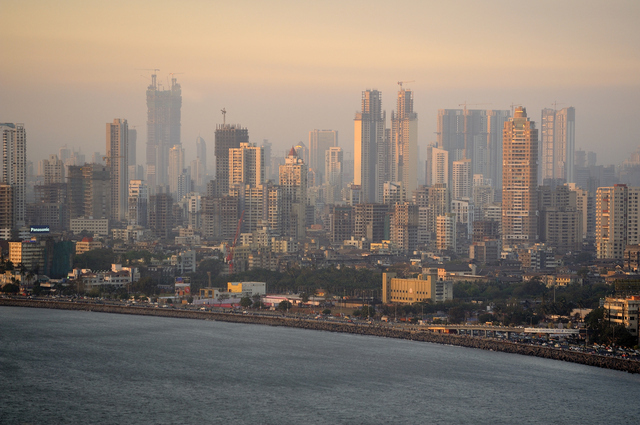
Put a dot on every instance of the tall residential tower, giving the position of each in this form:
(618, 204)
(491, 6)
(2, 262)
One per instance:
(519, 180)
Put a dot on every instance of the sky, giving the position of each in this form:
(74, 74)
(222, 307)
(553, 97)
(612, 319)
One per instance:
(282, 68)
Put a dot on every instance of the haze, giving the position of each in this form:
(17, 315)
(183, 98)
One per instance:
(282, 68)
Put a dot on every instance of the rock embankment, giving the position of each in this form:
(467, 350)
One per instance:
(373, 330)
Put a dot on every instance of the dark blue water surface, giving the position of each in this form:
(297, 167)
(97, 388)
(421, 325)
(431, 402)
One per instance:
(83, 367)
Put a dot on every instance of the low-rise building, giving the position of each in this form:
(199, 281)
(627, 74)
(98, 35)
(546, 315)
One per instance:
(247, 288)
(427, 287)
(97, 226)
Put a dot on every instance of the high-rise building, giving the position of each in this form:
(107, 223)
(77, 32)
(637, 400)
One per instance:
(437, 167)
(333, 174)
(246, 165)
(13, 169)
(163, 130)
(320, 141)
(404, 227)
(617, 214)
(268, 169)
(446, 232)
(6, 211)
(371, 148)
(161, 216)
(132, 158)
(461, 182)
(53, 170)
(369, 221)
(89, 191)
(560, 223)
(474, 134)
(557, 145)
(138, 213)
(303, 152)
(117, 150)
(519, 180)
(404, 142)
(293, 183)
(228, 136)
(175, 169)
(199, 165)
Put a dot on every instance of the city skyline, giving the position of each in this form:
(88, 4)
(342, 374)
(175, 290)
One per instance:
(284, 74)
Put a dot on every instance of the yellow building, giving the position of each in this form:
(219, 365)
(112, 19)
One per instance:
(624, 311)
(247, 288)
(426, 288)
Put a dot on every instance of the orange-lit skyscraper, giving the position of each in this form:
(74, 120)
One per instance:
(519, 180)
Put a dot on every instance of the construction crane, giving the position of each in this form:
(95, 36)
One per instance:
(513, 105)
(107, 159)
(233, 247)
(400, 83)
(153, 76)
(471, 104)
(224, 116)
(173, 78)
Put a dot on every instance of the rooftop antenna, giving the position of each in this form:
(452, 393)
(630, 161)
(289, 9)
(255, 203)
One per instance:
(224, 116)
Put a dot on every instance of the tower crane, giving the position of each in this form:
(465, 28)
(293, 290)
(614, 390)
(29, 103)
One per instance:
(400, 83)
(107, 159)
(224, 116)
(153, 76)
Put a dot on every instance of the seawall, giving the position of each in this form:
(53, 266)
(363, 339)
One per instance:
(630, 366)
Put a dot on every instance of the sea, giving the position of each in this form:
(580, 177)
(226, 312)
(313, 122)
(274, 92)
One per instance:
(76, 367)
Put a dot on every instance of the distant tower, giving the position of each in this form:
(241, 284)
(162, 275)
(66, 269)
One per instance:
(519, 180)
(176, 168)
(293, 183)
(319, 143)
(163, 129)
(371, 151)
(404, 143)
(333, 174)
(117, 149)
(200, 175)
(228, 136)
(132, 139)
(557, 145)
(14, 167)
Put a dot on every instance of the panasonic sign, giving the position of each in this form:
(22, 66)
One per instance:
(39, 229)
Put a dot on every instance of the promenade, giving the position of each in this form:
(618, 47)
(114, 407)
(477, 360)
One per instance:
(411, 333)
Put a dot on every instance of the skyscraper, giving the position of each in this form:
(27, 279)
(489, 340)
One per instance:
(557, 145)
(437, 166)
(14, 167)
(519, 180)
(176, 168)
(117, 149)
(404, 143)
(461, 182)
(246, 165)
(319, 143)
(228, 136)
(293, 183)
(163, 129)
(371, 150)
(333, 174)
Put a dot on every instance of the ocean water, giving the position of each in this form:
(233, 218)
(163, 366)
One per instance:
(81, 367)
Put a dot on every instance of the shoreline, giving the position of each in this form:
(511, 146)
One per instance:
(630, 366)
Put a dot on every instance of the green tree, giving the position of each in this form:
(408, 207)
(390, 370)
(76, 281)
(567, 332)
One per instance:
(284, 305)
(246, 302)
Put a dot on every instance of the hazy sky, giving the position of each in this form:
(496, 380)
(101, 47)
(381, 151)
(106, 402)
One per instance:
(282, 68)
